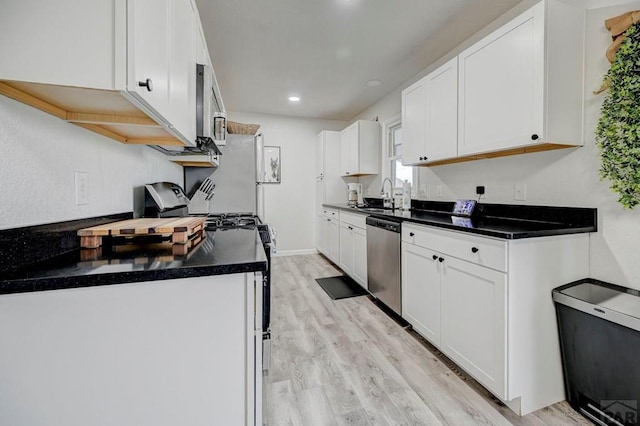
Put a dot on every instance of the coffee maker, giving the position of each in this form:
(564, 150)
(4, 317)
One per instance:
(355, 195)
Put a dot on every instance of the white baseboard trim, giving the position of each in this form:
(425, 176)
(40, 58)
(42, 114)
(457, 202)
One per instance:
(295, 252)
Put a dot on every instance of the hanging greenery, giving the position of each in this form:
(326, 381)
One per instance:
(618, 131)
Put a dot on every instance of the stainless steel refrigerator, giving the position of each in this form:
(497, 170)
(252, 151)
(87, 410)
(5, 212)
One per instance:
(238, 178)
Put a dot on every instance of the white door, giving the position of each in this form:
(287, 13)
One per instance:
(360, 257)
(474, 321)
(421, 290)
(148, 52)
(502, 87)
(414, 121)
(346, 248)
(441, 140)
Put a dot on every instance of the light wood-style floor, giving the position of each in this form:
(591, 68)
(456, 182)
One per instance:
(346, 362)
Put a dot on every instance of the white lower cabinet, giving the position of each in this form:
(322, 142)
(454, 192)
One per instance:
(346, 248)
(486, 304)
(360, 256)
(332, 241)
(328, 238)
(474, 321)
(421, 290)
(353, 247)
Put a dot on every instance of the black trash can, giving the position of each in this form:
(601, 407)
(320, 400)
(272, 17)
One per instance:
(599, 329)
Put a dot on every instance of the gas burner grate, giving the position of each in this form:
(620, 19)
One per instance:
(232, 221)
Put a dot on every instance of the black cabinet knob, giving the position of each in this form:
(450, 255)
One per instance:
(147, 83)
(435, 257)
(474, 249)
(350, 228)
(441, 259)
(534, 137)
(426, 158)
(411, 234)
(346, 173)
(421, 158)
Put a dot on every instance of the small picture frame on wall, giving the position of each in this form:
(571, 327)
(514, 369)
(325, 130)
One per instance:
(272, 164)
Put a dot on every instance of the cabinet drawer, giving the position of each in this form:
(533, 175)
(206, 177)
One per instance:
(330, 213)
(354, 219)
(479, 250)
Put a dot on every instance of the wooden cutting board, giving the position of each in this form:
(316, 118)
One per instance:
(180, 229)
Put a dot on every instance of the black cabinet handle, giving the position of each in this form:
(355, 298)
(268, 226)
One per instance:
(474, 249)
(350, 228)
(441, 259)
(426, 158)
(534, 137)
(411, 234)
(346, 173)
(435, 257)
(421, 158)
(148, 84)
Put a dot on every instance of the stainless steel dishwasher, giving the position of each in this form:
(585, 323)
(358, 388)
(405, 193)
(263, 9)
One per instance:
(383, 262)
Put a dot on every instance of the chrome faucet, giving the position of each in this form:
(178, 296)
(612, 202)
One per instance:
(387, 198)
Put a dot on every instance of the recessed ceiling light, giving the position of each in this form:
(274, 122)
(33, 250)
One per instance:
(294, 98)
(374, 83)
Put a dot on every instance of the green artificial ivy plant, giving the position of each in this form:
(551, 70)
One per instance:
(618, 131)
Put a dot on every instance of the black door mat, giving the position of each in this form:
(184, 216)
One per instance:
(341, 287)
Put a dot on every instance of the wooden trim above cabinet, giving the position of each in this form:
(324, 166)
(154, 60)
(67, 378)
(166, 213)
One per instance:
(105, 112)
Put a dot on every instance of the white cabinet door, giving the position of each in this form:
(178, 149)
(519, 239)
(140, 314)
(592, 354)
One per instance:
(360, 257)
(320, 219)
(502, 87)
(441, 139)
(148, 53)
(421, 290)
(320, 155)
(333, 244)
(320, 194)
(346, 248)
(349, 150)
(474, 326)
(182, 84)
(414, 122)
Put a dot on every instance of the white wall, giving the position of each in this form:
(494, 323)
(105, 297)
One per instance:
(290, 205)
(40, 154)
(558, 178)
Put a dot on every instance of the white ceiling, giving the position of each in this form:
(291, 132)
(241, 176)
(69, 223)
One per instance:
(325, 51)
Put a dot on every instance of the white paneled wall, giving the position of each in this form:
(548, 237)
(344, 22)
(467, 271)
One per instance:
(40, 155)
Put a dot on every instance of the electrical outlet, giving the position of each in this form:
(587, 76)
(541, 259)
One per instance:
(82, 188)
(520, 191)
(439, 191)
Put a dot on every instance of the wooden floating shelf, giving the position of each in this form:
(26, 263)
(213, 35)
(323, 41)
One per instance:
(505, 153)
(106, 112)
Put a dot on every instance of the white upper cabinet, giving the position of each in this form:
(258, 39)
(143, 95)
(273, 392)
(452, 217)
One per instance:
(430, 116)
(521, 86)
(360, 149)
(517, 90)
(148, 52)
(121, 68)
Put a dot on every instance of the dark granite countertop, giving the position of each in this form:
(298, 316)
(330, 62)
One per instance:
(503, 221)
(221, 252)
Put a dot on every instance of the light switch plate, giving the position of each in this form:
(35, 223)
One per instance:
(82, 188)
(439, 193)
(520, 191)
